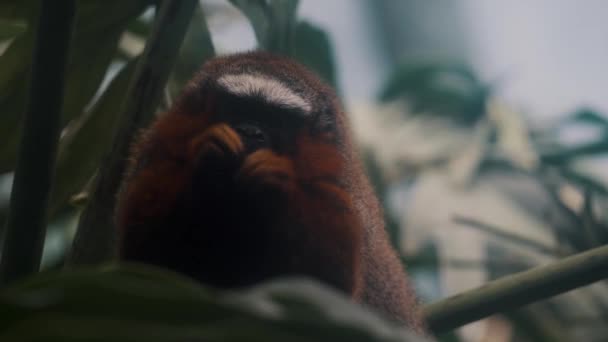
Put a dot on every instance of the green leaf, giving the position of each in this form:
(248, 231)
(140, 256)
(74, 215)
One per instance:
(96, 18)
(195, 50)
(11, 28)
(94, 44)
(589, 116)
(438, 88)
(563, 155)
(14, 64)
(137, 303)
(140, 27)
(83, 147)
(582, 176)
(18, 9)
(313, 49)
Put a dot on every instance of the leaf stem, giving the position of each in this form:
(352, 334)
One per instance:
(26, 222)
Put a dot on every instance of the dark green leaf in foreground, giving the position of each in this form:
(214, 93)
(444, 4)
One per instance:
(13, 88)
(18, 9)
(136, 303)
(11, 28)
(82, 148)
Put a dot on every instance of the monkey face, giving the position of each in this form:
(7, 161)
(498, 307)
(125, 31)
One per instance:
(259, 124)
(270, 101)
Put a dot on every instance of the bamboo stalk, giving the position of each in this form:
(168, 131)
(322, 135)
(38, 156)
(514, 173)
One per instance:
(517, 290)
(26, 222)
(95, 237)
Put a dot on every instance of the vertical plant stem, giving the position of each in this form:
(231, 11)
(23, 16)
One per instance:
(95, 237)
(517, 290)
(26, 222)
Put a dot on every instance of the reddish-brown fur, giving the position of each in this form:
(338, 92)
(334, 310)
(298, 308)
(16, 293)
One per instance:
(197, 202)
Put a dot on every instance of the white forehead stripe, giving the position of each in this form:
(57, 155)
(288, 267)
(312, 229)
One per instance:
(270, 89)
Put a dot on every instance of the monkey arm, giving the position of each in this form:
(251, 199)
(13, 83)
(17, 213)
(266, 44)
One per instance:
(316, 232)
(231, 219)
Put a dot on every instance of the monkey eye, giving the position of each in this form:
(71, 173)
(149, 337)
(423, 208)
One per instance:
(253, 136)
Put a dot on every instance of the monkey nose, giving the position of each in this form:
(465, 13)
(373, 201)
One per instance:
(253, 137)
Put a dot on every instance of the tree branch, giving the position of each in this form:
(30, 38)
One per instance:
(518, 290)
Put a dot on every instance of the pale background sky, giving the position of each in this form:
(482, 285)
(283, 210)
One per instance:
(550, 54)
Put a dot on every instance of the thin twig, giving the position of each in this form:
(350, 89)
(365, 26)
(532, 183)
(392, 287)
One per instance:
(517, 290)
(589, 222)
(502, 233)
(95, 238)
(26, 223)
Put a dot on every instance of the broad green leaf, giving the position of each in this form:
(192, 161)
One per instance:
(94, 44)
(14, 64)
(88, 66)
(136, 303)
(82, 148)
(18, 9)
(313, 49)
(11, 28)
(98, 16)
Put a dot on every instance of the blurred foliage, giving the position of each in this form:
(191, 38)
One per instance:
(136, 303)
(451, 92)
(93, 47)
(438, 88)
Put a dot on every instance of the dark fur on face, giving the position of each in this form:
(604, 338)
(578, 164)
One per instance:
(252, 175)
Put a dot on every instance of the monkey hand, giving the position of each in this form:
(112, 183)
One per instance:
(218, 144)
(218, 152)
(263, 171)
